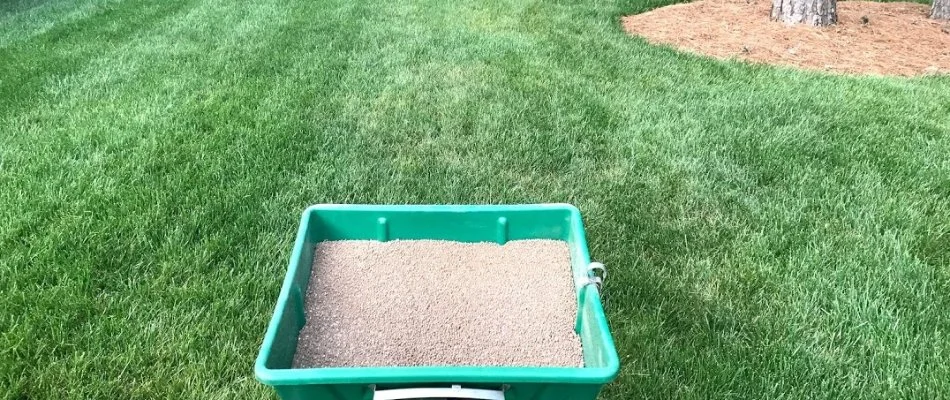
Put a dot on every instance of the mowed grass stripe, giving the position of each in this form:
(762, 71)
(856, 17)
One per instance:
(119, 226)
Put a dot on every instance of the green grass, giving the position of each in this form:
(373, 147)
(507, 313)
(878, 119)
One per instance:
(770, 233)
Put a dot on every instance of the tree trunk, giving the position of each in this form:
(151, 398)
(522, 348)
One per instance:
(810, 12)
(940, 9)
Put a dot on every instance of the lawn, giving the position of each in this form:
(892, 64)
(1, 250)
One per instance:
(769, 233)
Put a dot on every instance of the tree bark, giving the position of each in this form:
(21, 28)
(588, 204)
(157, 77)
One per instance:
(940, 9)
(810, 12)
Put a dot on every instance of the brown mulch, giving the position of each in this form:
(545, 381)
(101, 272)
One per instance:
(897, 39)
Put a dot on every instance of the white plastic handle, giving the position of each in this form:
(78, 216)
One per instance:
(455, 392)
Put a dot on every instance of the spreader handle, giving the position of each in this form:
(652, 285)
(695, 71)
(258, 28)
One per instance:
(454, 392)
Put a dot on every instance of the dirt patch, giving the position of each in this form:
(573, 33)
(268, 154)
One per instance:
(438, 303)
(870, 38)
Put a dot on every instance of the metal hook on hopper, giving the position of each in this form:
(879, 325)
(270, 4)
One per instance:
(596, 274)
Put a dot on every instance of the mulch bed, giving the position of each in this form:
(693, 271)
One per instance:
(870, 38)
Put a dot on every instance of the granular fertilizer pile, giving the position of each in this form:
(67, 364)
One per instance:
(440, 303)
